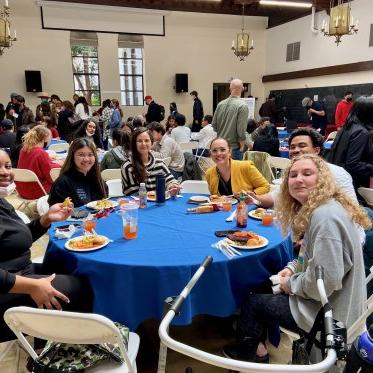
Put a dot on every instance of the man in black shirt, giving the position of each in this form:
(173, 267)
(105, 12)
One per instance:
(7, 137)
(197, 112)
(154, 113)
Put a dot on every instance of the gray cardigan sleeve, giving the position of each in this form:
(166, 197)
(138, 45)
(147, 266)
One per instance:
(325, 248)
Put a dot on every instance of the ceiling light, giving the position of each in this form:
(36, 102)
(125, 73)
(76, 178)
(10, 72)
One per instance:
(296, 4)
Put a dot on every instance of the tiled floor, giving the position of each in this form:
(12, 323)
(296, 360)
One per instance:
(207, 333)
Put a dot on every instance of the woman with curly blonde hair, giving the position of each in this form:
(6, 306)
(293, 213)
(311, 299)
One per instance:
(33, 157)
(326, 221)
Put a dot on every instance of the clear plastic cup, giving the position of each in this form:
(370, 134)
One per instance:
(90, 225)
(129, 213)
(267, 218)
(227, 204)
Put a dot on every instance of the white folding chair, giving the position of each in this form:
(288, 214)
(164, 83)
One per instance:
(331, 136)
(54, 172)
(59, 147)
(195, 186)
(188, 146)
(42, 205)
(111, 173)
(23, 216)
(27, 176)
(367, 194)
(115, 188)
(72, 328)
(279, 163)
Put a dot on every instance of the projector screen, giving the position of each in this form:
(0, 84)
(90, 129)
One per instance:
(101, 18)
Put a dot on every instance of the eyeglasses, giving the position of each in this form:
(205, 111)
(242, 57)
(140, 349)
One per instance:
(83, 155)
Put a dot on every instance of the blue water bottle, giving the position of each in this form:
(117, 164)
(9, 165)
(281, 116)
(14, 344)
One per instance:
(160, 189)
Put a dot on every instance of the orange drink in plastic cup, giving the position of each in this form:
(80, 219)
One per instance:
(129, 212)
(90, 225)
(227, 204)
(267, 218)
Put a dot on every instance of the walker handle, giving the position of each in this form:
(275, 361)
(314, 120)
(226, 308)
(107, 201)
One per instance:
(319, 272)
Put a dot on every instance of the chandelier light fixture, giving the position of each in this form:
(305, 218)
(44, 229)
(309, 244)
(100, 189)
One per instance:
(341, 21)
(6, 39)
(242, 49)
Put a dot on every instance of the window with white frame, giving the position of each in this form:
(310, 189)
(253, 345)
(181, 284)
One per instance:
(86, 76)
(130, 59)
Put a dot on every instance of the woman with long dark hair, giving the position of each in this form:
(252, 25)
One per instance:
(82, 109)
(89, 129)
(80, 177)
(353, 146)
(142, 167)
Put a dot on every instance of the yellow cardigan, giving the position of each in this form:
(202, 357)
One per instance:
(244, 176)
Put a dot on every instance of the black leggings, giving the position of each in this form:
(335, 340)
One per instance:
(262, 310)
(77, 289)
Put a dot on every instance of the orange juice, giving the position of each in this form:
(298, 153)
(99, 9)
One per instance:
(227, 204)
(90, 225)
(130, 232)
(267, 218)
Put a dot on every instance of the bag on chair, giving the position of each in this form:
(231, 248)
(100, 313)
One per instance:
(66, 358)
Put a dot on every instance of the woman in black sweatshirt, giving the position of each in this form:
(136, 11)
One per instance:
(21, 281)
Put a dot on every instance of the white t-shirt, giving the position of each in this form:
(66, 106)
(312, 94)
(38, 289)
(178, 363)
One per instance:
(79, 110)
(204, 137)
(181, 134)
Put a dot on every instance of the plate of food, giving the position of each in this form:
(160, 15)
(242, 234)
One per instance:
(246, 240)
(102, 204)
(199, 199)
(257, 214)
(86, 243)
(152, 196)
(220, 199)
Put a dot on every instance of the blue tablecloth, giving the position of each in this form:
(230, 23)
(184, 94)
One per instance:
(282, 134)
(131, 279)
(328, 144)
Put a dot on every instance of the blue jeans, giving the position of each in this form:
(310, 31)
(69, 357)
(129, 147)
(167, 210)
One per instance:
(237, 154)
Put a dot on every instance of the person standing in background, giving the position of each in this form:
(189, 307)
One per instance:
(25, 115)
(342, 109)
(197, 112)
(316, 113)
(268, 108)
(230, 119)
(154, 113)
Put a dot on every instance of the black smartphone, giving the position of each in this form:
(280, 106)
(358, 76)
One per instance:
(66, 227)
(224, 233)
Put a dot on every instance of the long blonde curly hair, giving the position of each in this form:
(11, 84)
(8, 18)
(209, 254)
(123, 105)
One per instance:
(291, 213)
(35, 136)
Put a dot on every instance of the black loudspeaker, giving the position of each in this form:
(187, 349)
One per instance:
(33, 81)
(181, 83)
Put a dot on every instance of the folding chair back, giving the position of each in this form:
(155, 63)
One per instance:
(261, 162)
(111, 173)
(195, 186)
(367, 194)
(62, 326)
(59, 147)
(205, 163)
(188, 146)
(331, 136)
(27, 176)
(54, 172)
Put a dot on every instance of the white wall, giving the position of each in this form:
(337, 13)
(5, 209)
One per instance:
(195, 43)
(319, 51)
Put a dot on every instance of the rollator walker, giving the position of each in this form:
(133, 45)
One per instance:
(333, 340)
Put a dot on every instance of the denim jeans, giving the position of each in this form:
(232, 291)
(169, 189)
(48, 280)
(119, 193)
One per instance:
(259, 311)
(237, 154)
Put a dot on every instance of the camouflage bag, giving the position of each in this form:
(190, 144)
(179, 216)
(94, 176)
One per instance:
(66, 358)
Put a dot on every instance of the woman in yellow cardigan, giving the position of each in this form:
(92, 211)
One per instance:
(230, 176)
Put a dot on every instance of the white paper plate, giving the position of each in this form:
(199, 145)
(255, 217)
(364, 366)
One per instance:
(231, 243)
(234, 201)
(154, 199)
(253, 216)
(199, 199)
(68, 247)
(93, 205)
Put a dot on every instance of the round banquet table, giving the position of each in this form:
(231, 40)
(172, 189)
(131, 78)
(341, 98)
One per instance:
(132, 278)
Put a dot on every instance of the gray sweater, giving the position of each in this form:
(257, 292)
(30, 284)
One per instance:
(331, 240)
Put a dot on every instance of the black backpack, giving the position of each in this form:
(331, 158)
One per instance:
(161, 112)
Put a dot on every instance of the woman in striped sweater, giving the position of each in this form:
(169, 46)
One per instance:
(142, 167)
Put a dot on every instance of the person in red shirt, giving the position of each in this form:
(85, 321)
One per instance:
(343, 109)
(33, 157)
